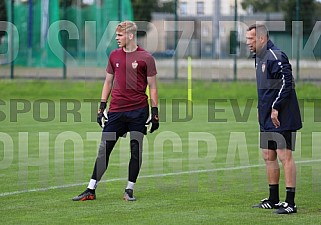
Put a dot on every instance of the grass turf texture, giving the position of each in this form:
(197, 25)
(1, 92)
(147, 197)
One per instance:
(194, 172)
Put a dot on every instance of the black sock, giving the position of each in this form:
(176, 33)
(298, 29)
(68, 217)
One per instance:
(274, 193)
(91, 190)
(290, 194)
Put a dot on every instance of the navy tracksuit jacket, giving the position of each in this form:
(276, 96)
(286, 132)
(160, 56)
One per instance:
(276, 89)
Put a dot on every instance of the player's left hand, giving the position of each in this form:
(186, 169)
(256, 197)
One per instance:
(153, 120)
(274, 118)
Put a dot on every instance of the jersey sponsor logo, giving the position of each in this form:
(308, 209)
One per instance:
(134, 64)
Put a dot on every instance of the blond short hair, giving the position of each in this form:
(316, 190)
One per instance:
(127, 26)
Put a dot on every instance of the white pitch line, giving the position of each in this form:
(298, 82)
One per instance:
(146, 176)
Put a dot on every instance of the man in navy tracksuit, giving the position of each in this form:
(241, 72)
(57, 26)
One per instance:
(278, 115)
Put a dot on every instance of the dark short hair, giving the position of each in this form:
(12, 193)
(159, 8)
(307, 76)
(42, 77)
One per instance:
(261, 29)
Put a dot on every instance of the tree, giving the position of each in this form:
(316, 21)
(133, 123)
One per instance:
(307, 14)
(318, 10)
(166, 7)
(3, 16)
(143, 10)
(262, 5)
(68, 3)
(307, 11)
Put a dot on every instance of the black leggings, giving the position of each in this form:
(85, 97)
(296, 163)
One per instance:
(107, 144)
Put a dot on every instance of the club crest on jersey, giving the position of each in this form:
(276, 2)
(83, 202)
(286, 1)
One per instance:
(263, 67)
(117, 65)
(134, 64)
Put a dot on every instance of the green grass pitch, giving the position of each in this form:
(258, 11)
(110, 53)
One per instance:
(200, 167)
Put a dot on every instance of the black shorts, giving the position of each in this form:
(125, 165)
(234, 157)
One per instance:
(278, 140)
(123, 122)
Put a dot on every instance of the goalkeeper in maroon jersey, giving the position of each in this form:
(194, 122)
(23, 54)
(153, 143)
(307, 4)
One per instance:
(130, 70)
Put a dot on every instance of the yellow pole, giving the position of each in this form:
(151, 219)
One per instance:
(189, 84)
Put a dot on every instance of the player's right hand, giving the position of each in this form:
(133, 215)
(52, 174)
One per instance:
(274, 118)
(101, 117)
